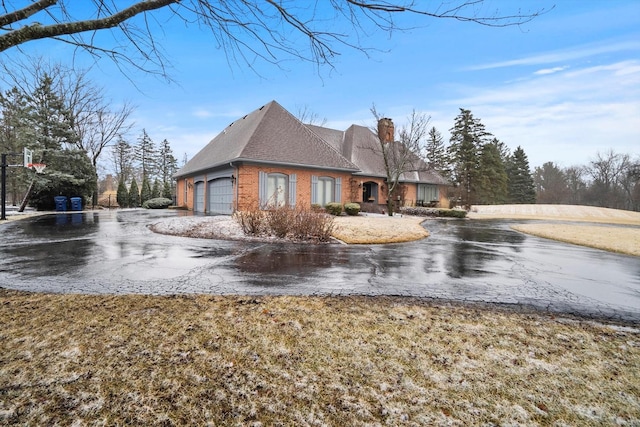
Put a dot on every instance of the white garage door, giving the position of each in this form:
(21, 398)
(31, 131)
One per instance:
(198, 197)
(220, 196)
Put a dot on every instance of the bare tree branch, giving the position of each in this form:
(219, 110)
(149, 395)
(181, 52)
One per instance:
(246, 30)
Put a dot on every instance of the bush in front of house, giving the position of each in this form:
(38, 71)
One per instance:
(452, 213)
(157, 203)
(352, 208)
(433, 212)
(286, 222)
(312, 225)
(334, 208)
(252, 221)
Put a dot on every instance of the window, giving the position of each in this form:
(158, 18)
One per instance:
(276, 189)
(325, 190)
(428, 193)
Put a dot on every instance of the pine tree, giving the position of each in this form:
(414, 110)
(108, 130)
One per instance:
(155, 190)
(122, 196)
(168, 166)
(551, 184)
(492, 178)
(166, 191)
(468, 135)
(436, 153)
(52, 125)
(16, 133)
(145, 191)
(146, 155)
(521, 186)
(123, 160)
(134, 194)
(73, 176)
(51, 120)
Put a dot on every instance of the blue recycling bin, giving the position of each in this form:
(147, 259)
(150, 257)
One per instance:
(76, 203)
(61, 203)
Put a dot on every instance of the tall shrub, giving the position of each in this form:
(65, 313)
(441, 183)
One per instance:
(122, 196)
(134, 195)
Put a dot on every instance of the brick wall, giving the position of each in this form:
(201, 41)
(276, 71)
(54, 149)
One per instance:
(248, 184)
(248, 187)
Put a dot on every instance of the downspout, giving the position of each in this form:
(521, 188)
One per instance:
(236, 185)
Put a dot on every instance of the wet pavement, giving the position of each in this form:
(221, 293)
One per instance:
(471, 261)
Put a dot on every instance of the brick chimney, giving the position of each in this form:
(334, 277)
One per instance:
(386, 130)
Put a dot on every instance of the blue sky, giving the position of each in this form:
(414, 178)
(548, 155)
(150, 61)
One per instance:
(564, 86)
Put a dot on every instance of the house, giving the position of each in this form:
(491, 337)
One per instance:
(270, 158)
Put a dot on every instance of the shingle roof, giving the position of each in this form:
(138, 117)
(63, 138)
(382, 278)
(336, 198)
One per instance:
(269, 134)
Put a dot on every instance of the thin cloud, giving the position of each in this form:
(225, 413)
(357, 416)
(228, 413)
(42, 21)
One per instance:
(563, 55)
(550, 70)
(563, 117)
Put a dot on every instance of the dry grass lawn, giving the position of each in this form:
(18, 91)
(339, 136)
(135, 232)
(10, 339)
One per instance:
(215, 360)
(624, 240)
(614, 239)
(378, 229)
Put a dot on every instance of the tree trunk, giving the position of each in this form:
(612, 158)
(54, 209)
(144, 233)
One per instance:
(27, 196)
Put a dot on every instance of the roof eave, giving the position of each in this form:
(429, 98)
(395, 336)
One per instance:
(265, 162)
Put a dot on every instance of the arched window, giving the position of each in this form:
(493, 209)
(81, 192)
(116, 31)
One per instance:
(277, 188)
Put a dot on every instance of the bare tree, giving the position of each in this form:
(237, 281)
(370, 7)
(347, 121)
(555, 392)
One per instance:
(245, 30)
(95, 120)
(606, 170)
(308, 117)
(402, 156)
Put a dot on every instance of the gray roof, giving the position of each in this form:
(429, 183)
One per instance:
(271, 134)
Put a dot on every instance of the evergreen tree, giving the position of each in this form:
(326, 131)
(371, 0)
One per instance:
(155, 190)
(436, 153)
(168, 166)
(122, 196)
(52, 126)
(134, 194)
(492, 177)
(521, 186)
(71, 175)
(468, 135)
(52, 120)
(15, 134)
(123, 160)
(551, 184)
(145, 191)
(147, 156)
(166, 191)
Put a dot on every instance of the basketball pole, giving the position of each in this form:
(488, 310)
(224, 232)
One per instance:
(4, 165)
(4, 187)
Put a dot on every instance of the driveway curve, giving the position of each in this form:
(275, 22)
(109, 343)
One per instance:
(470, 261)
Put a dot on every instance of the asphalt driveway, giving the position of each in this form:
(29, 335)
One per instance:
(113, 252)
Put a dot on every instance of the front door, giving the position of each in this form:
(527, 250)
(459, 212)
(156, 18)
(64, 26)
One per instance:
(370, 192)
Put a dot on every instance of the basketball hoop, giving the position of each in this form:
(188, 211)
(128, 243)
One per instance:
(38, 167)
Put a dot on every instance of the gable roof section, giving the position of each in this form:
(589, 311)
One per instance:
(269, 134)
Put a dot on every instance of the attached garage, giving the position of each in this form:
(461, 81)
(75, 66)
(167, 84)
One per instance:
(220, 196)
(198, 197)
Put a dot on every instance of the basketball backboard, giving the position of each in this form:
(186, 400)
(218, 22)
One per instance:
(28, 158)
